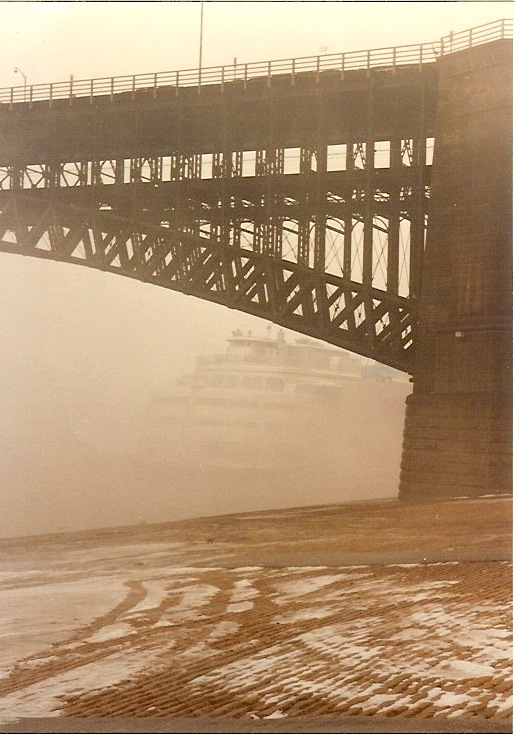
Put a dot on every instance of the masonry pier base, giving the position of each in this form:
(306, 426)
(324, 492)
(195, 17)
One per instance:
(458, 426)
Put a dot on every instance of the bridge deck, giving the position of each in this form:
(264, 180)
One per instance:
(393, 58)
(238, 118)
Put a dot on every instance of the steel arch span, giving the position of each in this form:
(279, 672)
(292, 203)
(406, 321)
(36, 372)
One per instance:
(316, 224)
(329, 306)
(296, 191)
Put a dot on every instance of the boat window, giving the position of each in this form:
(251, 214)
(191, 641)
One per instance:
(252, 382)
(275, 384)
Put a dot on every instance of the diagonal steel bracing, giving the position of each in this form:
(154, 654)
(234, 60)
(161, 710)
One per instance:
(337, 309)
(303, 201)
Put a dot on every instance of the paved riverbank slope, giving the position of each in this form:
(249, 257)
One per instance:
(363, 610)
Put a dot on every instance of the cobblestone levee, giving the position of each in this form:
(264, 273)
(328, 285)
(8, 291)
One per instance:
(167, 621)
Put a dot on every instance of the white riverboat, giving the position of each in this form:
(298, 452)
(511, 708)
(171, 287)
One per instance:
(276, 417)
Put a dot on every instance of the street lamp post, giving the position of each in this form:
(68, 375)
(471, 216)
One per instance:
(200, 44)
(19, 71)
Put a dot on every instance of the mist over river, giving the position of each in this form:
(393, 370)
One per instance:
(76, 387)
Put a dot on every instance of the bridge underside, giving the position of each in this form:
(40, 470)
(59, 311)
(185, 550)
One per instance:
(303, 203)
(331, 307)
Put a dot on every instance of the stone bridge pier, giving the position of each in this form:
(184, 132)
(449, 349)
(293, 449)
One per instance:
(458, 426)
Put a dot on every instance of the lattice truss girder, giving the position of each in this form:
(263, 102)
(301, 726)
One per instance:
(218, 259)
(313, 218)
(355, 223)
(270, 161)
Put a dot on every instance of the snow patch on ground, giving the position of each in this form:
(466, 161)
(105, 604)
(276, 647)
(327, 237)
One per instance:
(241, 595)
(335, 641)
(195, 596)
(46, 698)
(155, 595)
(299, 615)
(162, 624)
(34, 617)
(409, 634)
(299, 587)
(36, 662)
(431, 640)
(237, 607)
(274, 715)
(443, 699)
(463, 670)
(245, 570)
(110, 632)
(223, 630)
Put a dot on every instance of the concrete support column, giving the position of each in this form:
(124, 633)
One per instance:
(457, 437)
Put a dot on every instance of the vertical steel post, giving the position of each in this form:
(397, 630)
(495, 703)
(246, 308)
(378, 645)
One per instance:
(392, 275)
(418, 217)
(200, 45)
(368, 229)
(320, 197)
(347, 234)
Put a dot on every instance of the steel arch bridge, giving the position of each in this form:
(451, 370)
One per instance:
(295, 191)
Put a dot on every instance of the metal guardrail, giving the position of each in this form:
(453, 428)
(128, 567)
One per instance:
(497, 30)
(416, 54)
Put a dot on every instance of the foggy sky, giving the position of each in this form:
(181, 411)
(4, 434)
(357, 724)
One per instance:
(74, 340)
(50, 41)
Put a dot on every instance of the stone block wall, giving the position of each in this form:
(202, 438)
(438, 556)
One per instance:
(458, 437)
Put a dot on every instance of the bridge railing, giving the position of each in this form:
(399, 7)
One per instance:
(494, 31)
(392, 58)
